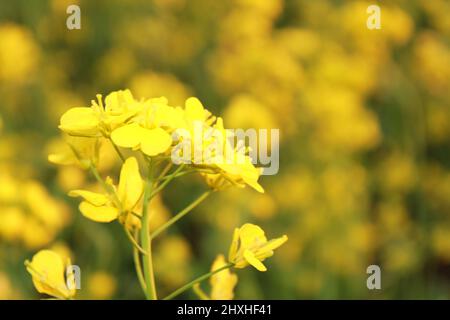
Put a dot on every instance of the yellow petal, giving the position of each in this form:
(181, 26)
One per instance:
(116, 120)
(223, 290)
(62, 158)
(130, 184)
(80, 121)
(267, 250)
(223, 282)
(99, 214)
(234, 246)
(195, 110)
(250, 175)
(47, 269)
(242, 168)
(118, 100)
(255, 185)
(83, 148)
(251, 235)
(275, 243)
(97, 199)
(218, 263)
(155, 141)
(128, 136)
(251, 259)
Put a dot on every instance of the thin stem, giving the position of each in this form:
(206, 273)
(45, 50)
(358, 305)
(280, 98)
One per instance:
(97, 177)
(134, 242)
(186, 172)
(164, 171)
(146, 240)
(166, 181)
(177, 175)
(181, 214)
(137, 264)
(195, 281)
(136, 215)
(119, 153)
(109, 189)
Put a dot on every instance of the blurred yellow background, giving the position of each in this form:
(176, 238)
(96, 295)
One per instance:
(364, 153)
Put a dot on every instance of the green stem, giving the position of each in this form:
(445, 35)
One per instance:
(117, 150)
(97, 177)
(181, 214)
(164, 171)
(134, 242)
(195, 281)
(185, 173)
(180, 174)
(166, 181)
(146, 240)
(137, 264)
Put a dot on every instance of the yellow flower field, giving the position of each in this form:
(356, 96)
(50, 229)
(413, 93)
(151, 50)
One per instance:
(119, 180)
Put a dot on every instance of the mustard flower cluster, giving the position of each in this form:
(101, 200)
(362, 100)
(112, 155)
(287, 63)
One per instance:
(146, 131)
(147, 126)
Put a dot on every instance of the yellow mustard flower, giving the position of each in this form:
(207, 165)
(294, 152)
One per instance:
(150, 131)
(242, 172)
(48, 271)
(250, 247)
(233, 167)
(147, 131)
(80, 151)
(195, 111)
(106, 207)
(223, 282)
(99, 120)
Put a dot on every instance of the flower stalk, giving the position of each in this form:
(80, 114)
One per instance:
(166, 181)
(138, 266)
(146, 240)
(181, 214)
